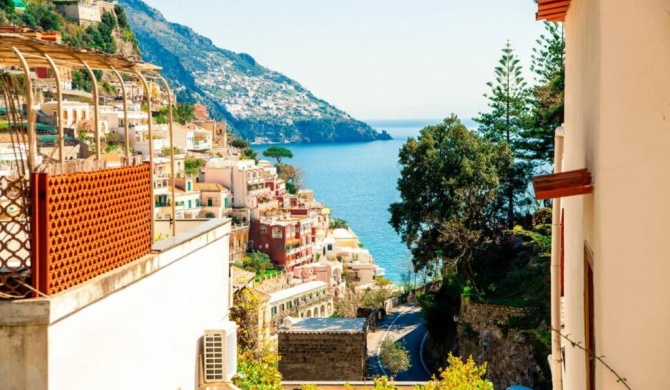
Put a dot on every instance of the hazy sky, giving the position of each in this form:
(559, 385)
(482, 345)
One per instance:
(375, 59)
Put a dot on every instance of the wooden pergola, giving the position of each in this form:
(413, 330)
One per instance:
(25, 53)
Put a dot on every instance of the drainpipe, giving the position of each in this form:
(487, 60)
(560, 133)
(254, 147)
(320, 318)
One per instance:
(557, 355)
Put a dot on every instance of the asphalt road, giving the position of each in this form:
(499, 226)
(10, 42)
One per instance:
(402, 323)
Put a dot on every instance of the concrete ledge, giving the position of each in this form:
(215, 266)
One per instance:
(45, 311)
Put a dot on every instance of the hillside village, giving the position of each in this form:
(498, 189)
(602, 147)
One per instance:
(119, 123)
(143, 245)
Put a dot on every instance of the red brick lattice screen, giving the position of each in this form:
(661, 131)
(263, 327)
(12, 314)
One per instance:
(89, 223)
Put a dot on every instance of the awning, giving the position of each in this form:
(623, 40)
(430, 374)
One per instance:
(563, 184)
(552, 10)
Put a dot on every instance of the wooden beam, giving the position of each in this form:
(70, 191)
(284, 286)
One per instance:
(563, 192)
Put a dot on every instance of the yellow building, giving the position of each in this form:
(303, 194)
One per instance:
(617, 126)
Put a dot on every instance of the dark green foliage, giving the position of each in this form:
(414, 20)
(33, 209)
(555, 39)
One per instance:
(277, 152)
(508, 103)
(338, 223)
(239, 143)
(82, 81)
(121, 16)
(101, 36)
(7, 6)
(450, 193)
(438, 309)
(40, 16)
(181, 113)
(547, 97)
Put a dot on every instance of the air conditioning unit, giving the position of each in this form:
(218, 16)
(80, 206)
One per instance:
(220, 354)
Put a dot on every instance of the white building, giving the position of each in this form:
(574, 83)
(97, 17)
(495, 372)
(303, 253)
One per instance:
(243, 178)
(305, 300)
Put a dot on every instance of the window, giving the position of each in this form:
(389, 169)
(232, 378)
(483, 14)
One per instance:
(189, 186)
(330, 247)
(264, 230)
(277, 233)
(197, 203)
(189, 204)
(226, 203)
(274, 311)
(209, 202)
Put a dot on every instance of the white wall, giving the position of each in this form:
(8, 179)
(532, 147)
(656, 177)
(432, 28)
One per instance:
(618, 125)
(146, 335)
(137, 327)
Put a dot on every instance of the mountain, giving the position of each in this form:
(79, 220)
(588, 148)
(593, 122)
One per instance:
(257, 102)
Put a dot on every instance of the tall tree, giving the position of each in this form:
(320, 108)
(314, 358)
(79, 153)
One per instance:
(508, 103)
(547, 96)
(449, 193)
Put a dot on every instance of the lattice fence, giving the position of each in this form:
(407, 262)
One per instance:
(90, 223)
(14, 238)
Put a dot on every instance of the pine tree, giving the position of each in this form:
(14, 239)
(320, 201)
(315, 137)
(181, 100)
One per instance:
(508, 101)
(547, 97)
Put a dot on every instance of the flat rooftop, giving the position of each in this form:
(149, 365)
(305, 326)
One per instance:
(325, 325)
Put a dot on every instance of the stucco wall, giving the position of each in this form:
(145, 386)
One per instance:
(137, 327)
(618, 125)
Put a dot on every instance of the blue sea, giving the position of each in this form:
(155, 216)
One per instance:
(358, 182)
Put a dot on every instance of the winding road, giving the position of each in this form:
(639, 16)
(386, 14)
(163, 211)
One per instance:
(402, 323)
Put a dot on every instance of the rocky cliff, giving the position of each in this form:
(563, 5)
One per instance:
(260, 104)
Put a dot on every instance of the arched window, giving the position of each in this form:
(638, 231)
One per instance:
(209, 215)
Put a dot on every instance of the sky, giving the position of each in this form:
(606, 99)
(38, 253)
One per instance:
(375, 59)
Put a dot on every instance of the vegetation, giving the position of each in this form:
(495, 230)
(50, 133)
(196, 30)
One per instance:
(257, 262)
(258, 369)
(277, 152)
(450, 203)
(181, 113)
(293, 176)
(464, 210)
(245, 310)
(247, 153)
(257, 361)
(338, 223)
(394, 356)
(192, 165)
(508, 103)
(460, 376)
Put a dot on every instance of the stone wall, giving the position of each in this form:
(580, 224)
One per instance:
(484, 333)
(322, 356)
(270, 284)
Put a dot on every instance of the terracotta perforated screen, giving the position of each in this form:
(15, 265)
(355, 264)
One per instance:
(89, 223)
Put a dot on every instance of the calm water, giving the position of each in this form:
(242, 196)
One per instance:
(358, 182)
